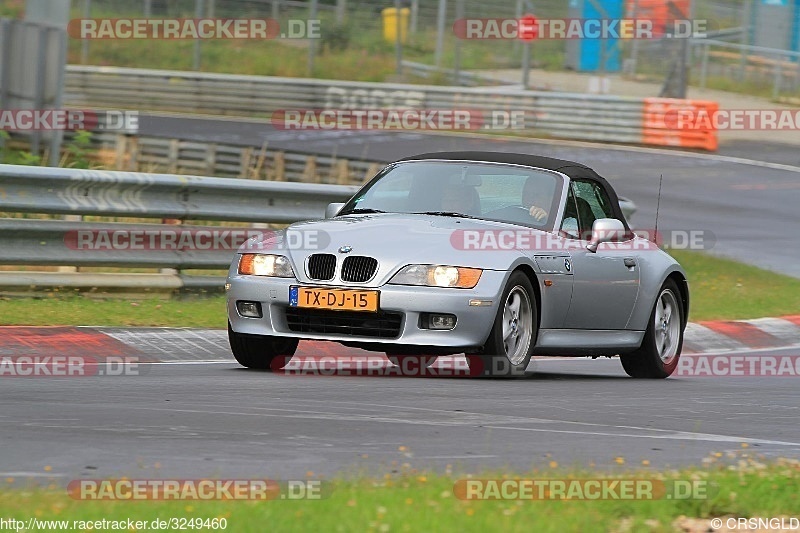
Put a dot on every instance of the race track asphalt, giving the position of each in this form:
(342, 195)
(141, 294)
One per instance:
(203, 415)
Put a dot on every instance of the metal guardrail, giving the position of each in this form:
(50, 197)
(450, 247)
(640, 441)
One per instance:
(59, 191)
(562, 115)
(422, 70)
(59, 243)
(110, 193)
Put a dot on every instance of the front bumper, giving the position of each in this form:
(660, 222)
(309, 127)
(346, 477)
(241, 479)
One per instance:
(472, 326)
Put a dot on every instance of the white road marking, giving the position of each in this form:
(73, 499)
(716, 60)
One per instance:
(637, 149)
(471, 420)
(677, 435)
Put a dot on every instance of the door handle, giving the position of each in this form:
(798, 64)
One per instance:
(630, 262)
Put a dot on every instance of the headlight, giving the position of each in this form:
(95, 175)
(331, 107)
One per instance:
(438, 276)
(276, 266)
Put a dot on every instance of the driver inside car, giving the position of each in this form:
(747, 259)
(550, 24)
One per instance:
(536, 197)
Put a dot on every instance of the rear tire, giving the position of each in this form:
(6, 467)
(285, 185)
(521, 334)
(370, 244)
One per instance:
(261, 352)
(660, 352)
(509, 348)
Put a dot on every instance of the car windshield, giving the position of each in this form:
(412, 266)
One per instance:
(504, 193)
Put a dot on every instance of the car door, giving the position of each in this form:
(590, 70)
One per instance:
(606, 282)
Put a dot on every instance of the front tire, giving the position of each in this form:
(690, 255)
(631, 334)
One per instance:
(509, 348)
(660, 352)
(261, 352)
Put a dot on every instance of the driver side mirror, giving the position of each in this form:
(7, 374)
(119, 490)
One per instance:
(333, 209)
(605, 230)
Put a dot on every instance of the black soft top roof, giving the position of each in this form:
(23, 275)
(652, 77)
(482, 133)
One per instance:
(570, 168)
(548, 163)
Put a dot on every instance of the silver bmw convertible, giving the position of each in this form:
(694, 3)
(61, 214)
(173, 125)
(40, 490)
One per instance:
(498, 256)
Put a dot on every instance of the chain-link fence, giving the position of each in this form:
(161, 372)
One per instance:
(358, 39)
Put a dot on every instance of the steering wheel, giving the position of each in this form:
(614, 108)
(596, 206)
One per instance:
(518, 213)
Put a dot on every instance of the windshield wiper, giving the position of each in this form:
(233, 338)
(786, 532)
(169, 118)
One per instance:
(445, 214)
(362, 210)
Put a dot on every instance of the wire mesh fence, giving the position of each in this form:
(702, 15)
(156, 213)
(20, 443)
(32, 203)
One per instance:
(359, 40)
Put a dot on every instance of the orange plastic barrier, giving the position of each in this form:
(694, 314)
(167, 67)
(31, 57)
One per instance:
(658, 12)
(684, 123)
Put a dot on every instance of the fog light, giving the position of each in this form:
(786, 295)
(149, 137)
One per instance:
(249, 309)
(432, 321)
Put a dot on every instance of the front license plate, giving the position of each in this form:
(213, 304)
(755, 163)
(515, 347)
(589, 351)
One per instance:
(337, 299)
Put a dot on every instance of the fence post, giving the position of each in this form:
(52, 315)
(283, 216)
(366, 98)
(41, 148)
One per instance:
(312, 43)
(120, 150)
(398, 41)
(244, 162)
(260, 161)
(172, 156)
(342, 172)
(133, 153)
(310, 170)
(341, 11)
(457, 57)
(198, 14)
(70, 218)
(87, 13)
(211, 159)
(440, 20)
(278, 167)
(704, 66)
(777, 82)
(373, 169)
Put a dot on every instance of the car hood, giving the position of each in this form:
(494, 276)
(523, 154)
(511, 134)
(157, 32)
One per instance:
(395, 240)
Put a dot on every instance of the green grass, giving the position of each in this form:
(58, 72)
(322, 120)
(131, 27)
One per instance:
(354, 51)
(79, 310)
(422, 501)
(726, 289)
(720, 289)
